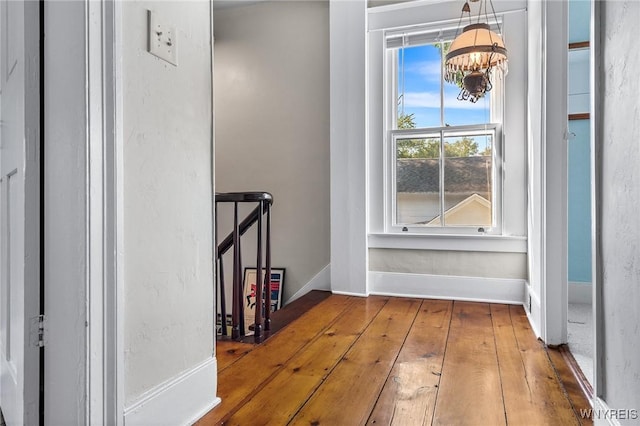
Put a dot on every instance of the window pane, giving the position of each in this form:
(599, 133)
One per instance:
(419, 76)
(458, 113)
(468, 180)
(418, 181)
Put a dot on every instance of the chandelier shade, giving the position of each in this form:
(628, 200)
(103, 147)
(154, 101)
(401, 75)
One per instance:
(477, 48)
(472, 57)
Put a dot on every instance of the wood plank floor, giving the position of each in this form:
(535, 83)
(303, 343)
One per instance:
(400, 361)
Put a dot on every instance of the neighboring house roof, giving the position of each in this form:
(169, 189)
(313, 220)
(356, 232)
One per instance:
(462, 174)
(473, 210)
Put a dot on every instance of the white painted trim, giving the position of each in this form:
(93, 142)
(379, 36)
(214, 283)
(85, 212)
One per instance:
(101, 195)
(348, 159)
(115, 412)
(402, 5)
(596, 86)
(69, 260)
(348, 293)
(535, 149)
(533, 309)
(547, 165)
(555, 229)
(580, 293)
(321, 281)
(179, 401)
(601, 413)
(490, 243)
(491, 290)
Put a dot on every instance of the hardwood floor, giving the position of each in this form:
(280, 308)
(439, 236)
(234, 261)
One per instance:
(382, 361)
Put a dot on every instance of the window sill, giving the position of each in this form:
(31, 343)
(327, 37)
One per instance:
(493, 243)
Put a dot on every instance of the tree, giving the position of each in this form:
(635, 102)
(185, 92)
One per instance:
(430, 148)
(418, 148)
(465, 147)
(406, 121)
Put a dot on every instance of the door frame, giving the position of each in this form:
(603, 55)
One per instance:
(554, 297)
(546, 295)
(84, 183)
(105, 289)
(596, 105)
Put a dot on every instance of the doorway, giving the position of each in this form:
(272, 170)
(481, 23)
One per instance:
(580, 301)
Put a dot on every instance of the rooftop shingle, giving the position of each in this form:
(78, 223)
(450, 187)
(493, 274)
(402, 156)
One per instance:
(461, 174)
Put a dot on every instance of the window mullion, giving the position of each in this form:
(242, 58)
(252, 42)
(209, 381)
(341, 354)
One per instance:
(442, 84)
(442, 134)
(441, 177)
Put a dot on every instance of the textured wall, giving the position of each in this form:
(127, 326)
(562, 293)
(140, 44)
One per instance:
(167, 200)
(456, 263)
(620, 204)
(272, 126)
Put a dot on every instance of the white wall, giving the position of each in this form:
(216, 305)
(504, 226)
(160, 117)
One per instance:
(272, 127)
(620, 156)
(480, 264)
(167, 128)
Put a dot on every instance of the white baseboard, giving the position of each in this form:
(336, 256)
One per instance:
(602, 415)
(494, 290)
(580, 293)
(348, 293)
(534, 310)
(179, 401)
(321, 281)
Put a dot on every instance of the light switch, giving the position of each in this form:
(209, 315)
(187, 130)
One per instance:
(163, 40)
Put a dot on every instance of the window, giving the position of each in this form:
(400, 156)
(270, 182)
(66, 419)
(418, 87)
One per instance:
(443, 155)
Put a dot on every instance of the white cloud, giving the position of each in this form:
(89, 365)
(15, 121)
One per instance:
(422, 100)
(427, 69)
(432, 100)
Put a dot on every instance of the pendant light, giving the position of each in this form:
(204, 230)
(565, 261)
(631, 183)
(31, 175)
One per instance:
(474, 54)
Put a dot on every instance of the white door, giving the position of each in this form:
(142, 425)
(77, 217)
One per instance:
(19, 212)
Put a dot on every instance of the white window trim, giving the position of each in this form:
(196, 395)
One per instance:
(449, 242)
(389, 77)
(496, 191)
(514, 133)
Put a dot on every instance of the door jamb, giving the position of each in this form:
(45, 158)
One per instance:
(554, 289)
(596, 101)
(105, 355)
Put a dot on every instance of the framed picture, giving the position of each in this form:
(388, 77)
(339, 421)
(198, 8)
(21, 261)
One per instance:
(249, 285)
(219, 324)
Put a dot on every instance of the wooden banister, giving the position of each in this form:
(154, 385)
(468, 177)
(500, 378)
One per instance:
(263, 291)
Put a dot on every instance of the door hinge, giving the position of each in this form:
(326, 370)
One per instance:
(38, 331)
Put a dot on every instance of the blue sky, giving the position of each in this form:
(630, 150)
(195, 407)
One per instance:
(422, 91)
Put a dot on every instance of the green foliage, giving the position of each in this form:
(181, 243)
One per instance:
(465, 147)
(443, 48)
(418, 148)
(430, 148)
(406, 121)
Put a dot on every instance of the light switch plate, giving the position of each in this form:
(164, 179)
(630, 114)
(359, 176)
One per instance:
(163, 39)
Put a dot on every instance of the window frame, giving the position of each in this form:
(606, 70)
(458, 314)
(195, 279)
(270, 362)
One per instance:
(391, 133)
